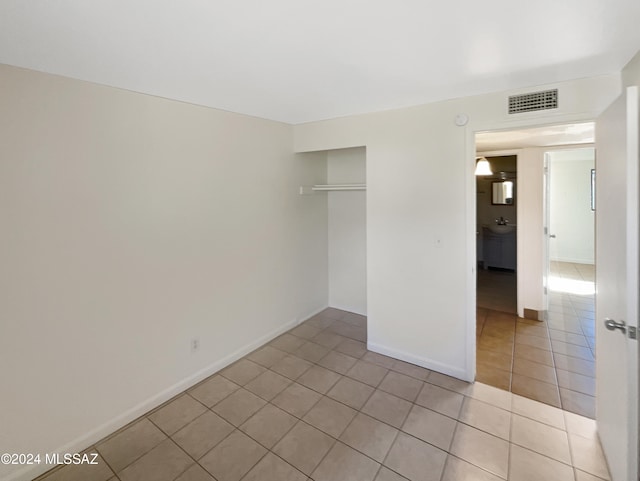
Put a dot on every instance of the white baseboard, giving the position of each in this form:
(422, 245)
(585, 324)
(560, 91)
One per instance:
(92, 437)
(348, 308)
(447, 369)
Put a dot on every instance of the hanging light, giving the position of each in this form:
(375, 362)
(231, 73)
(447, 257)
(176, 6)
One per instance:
(482, 166)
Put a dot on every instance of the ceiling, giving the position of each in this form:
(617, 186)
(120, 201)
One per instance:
(304, 60)
(549, 136)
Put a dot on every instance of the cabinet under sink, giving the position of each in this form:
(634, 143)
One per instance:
(499, 249)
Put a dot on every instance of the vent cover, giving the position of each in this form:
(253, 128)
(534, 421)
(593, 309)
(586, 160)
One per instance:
(547, 99)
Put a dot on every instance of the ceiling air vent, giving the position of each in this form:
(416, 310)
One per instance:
(547, 99)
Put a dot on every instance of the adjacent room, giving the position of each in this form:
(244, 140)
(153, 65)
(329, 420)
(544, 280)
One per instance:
(549, 354)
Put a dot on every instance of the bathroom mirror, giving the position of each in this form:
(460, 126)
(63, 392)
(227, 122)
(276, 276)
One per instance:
(502, 192)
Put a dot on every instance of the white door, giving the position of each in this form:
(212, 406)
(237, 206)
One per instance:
(617, 284)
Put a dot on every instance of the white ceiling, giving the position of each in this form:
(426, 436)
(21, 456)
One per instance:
(549, 136)
(304, 60)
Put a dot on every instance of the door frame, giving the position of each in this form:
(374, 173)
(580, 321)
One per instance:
(471, 130)
(547, 209)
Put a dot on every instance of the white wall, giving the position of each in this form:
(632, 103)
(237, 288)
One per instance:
(531, 260)
(571, 219)
(130, 225)
(310, 233)
(631, 72)
(347, 231)
(421, 214)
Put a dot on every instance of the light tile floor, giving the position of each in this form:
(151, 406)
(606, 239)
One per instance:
(551, 361)
(315, 404)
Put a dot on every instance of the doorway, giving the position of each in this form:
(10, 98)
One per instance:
(518, 351)
(496, 224)
(570, 263)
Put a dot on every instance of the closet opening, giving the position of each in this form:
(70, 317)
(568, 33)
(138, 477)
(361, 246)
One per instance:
(339, 184)
(347, 230)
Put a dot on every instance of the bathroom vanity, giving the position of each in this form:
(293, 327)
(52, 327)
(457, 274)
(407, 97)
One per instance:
(499, 246)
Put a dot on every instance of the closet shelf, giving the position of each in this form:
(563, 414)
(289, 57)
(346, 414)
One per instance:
(310, 189)
(327, 187)
(321, 187)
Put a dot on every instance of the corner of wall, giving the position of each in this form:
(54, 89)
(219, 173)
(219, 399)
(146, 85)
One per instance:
(631, 71)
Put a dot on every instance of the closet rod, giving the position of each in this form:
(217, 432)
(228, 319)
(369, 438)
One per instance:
(328, 187)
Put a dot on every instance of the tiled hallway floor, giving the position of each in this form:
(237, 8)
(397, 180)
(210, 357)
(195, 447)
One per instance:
(551, 361)
(314, 404)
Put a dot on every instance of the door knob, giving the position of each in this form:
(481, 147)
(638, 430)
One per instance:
(553, 236)
(613, 325)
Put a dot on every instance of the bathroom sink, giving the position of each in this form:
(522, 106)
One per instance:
(501, 229)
